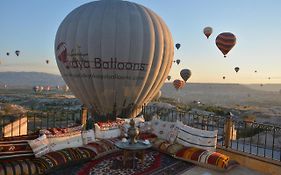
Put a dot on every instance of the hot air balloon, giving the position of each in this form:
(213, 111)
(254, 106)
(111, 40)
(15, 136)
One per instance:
(177, 61)
(178, 84)
(223, 77)
(236, 69)
(169, 77)
(114, 56)
(17, 52)
(208, 31)
(225, 42)
(47, 61)
(185, 74)
(7, 53)
(41, 88)
(256, 71)
(178, 45)
(261, 85)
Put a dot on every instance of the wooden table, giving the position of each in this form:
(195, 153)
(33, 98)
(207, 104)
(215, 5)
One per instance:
(133, 151)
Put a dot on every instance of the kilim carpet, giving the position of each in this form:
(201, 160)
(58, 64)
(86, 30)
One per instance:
(155, 163)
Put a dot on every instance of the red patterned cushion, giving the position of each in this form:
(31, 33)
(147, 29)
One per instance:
(18, 146)
(203, 157)
(61, 158)
(147, 136)
(103, 147)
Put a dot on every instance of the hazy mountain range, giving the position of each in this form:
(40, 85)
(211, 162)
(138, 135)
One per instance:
(29, 79)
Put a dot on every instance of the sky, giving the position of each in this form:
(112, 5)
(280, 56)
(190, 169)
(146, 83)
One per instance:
(30, 26)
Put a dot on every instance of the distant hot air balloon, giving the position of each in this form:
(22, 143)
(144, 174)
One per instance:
(114, 56)
(169, 77)
(7, 53)
(256, 71)
(178, 84)
(47, 61)
(5, 86)
(223, 77)
(269, 78)
(177, 61)
(17, 52)
(236, 69)
(178, 45)
(225, 42)
(58, 87)
(261, 85)
(208, 31)
(41, 88)
(185, 74)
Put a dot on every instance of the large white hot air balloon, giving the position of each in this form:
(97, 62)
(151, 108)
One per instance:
(114, 55)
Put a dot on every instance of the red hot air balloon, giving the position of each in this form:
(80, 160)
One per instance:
(178, 45)
(208, 31)
(225, 42)
(178, 84)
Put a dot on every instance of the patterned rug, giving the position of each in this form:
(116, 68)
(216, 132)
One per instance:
(155, 163)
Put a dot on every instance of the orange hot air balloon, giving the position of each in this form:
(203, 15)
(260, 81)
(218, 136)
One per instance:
(225, 42)
(178, 84)
(208, 31)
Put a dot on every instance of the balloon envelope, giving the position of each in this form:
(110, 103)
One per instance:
(17, 52)
(178, 84)
(178, 45)
(114, 55)
(185, 74)
(236, 69)
(169, 77)
(178, 61)
(223, 77)
(208, 31)
(225, 42)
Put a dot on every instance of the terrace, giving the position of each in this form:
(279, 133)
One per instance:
(255, 146)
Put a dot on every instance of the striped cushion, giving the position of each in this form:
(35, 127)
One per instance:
(18, 167)
(62, 158)
(193, 137)
(166, 147)
(16, 147)
(204, 157)
(103, 147)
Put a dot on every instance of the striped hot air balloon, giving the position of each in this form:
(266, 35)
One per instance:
(225, 42)
(178, 84)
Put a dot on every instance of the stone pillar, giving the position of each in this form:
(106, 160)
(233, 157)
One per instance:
(228, 130)
(84, 114)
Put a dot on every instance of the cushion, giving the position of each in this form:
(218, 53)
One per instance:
(62, 158)
(193, 137)
(16, 147)
(103, 147)
(88, 136)
(163, 129)
(40, 146)
(166, 147)
(67, 141)
(145, 127)
(206, 158)
(61, 132)
(18, 167)
(106, 130)
(147, 136)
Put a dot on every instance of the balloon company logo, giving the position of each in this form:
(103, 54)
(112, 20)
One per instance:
(78, 60)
